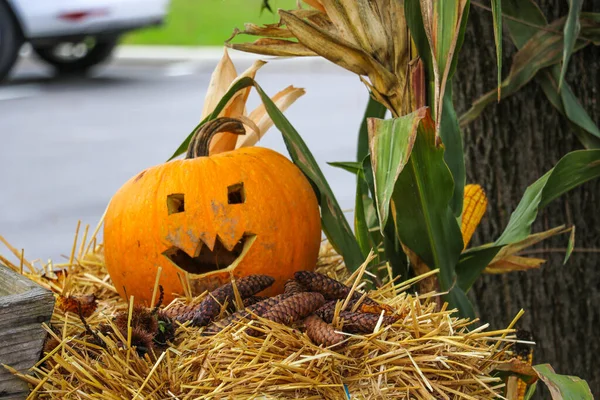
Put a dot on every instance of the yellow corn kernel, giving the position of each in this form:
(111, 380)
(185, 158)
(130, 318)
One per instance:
(524, 353)
(521, 385)
(474, 205)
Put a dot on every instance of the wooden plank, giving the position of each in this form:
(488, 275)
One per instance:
(24, 306)
(15, 396)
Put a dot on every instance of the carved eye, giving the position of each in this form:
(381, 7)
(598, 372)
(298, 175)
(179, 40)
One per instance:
(236, 194)
(175, 203)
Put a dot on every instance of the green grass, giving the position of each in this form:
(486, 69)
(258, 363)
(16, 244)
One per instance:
(206, 22)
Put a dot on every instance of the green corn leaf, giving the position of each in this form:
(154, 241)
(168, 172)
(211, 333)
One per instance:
(449, 128)
(530, 391)
(577, 115)
(366, 225)
(369, 189)
(374, 110)
(572, 170)
(571, 30)
(540, 51)
(460, 36)
(454, 155)
(570, 245)
(394, 253)
(333, 221)
(497, 16)
(449, 25)
(350, 166)
(568, 105)
(439, 46)
(564, 99)
(527, 11)
(370, 178)
(563, 387)
(391, 245)
(414, 20)
(361, 227)
(472, 263)
(421, 188)
(424, 220)
(392, 250)
(391, 143)
(457, 298)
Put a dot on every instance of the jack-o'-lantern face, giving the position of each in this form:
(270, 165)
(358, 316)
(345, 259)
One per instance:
(205, 219)
(219, 242)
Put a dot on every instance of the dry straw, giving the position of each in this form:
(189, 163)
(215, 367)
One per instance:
(427, 354)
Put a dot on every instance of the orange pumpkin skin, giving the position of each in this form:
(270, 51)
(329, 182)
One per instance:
(279, 208)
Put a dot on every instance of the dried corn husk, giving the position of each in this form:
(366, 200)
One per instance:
(257, 122)
(368, 37)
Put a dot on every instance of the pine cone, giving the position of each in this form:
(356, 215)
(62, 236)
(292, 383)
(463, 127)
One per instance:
(211, 305)
(332, 290)
(248, 301)
(320, 332)
(181, 312)
(259, 309)
(295, 307)
(355, 322)
(328, 287)
(292, 287)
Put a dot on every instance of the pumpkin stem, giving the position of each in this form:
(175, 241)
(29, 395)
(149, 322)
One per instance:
(201, 140)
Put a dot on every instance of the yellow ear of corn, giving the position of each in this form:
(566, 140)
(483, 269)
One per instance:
(474, 207)
(524, 353)
(521, 385)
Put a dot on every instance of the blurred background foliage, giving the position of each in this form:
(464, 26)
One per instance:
(205, 22)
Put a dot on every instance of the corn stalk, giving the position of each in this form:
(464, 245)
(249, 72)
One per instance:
(411, 199)
(405, 52)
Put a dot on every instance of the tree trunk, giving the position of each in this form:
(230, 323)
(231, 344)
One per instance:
(510, 146)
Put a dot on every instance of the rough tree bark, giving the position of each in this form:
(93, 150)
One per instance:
(509, 147)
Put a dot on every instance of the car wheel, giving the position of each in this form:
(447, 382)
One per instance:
(10, 41)
(75, 58)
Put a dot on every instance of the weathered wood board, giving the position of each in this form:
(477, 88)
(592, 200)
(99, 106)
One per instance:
(24, 306)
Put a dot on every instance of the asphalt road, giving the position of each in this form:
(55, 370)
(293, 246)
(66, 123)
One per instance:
(66, 145)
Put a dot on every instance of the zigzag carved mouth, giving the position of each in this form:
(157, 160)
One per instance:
(208, 260)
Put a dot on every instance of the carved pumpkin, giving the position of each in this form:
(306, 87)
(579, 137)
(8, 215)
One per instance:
(246, 211)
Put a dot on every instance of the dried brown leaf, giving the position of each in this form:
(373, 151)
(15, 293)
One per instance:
(317, 4)
(222, 77)
(235, 108)
(270, 30)
(274, 47)
(282, 100)
(518, 367)
(71, 304)
(513, 263)
(340, 51)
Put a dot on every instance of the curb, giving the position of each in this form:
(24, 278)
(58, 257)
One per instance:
(203, 54)
(182, 59)
(177, 53)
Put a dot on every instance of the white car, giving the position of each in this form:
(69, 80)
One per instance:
(71, 35)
